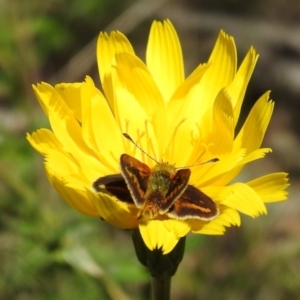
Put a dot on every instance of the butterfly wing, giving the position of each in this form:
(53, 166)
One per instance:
(114, 184)
(136, 175)
(177, 187)
(193, 204)
(103, 181)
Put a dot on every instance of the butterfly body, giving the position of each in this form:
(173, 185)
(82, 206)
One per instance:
(162, 190)
(160, 179)
(157, 188)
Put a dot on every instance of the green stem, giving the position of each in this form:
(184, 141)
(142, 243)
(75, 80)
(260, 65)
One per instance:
(161, 266)
(161, 287)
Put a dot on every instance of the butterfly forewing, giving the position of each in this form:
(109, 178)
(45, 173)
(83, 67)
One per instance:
(193, 204)
(177, 186)
(136, 175)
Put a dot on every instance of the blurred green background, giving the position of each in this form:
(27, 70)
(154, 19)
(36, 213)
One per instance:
(50, 251)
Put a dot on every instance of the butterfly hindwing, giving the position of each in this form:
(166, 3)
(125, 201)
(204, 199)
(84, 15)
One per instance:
(136, 175)
(193, 204)
(102, 181)
(115, 185)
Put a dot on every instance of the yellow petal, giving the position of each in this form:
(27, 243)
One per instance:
(227, 218)
(222, 133)
(77, 198)
(99, 127)
(254, 155)
(62, 120)
(223, 63)
(177, 152)
(237, 168)
(239, 84)
(184, 116)
(138, 82)
(271, 187)
(61, 163)
(212, 174)
(44, 140)
(163, 234)
(251, 135)
(216, 75)
(68, 133)
(57, 159)
(107, 47)
(137, 126)
(43, 92)
(71, 93)
(113, 211)
(242, 198)
(164, 58)
(257, 122)
(186, 99)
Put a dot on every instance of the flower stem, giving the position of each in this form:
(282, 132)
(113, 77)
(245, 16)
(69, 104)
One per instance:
(161, 286)
(161, 266)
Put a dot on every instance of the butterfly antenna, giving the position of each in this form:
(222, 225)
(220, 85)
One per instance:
(199, 164)
(133, 142)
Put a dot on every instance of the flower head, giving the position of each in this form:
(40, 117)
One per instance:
(175, 120)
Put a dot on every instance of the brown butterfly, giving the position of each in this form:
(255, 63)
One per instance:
(158, 191)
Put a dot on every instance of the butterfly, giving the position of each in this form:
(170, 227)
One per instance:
(162, 190)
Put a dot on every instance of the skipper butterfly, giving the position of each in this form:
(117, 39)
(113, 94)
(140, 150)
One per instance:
(162, 190)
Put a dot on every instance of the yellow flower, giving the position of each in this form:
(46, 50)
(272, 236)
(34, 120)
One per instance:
(173, 119)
